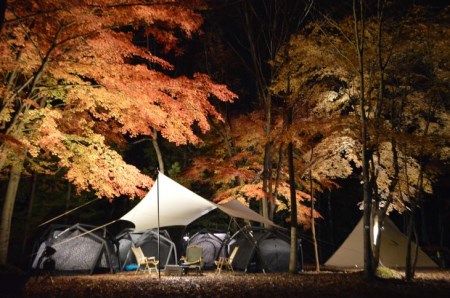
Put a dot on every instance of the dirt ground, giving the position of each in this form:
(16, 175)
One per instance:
(434, 283)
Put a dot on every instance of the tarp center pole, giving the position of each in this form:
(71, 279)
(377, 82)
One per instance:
(157, 206)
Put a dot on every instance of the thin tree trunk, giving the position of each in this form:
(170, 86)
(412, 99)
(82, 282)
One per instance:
(267, 173)
(359, 27)
(157, 150)
(293, 252)
(29, 213)
(416, 251)
(408, 269)
(442, 231)
(3, 4)
(225, 136)
(8, 208)
(313, 222)
(68, 198)
(277, 179)
(423, 225)
(330, 219)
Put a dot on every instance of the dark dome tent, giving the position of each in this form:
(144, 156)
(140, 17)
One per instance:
(214, 245)
(148, 241)
(261, 250)
(77, 249)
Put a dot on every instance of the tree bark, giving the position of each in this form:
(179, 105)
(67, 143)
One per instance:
(408, 268)
(3, 4)
(266, 176)
(68, 198)
(293, 199)
(359, 28)
(313, 221)
(293, 250)
(8, 208)
(158, 150)
(29, 213)
(277, 179)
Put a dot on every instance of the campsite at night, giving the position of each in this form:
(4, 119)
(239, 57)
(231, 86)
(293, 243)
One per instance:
(224, 148)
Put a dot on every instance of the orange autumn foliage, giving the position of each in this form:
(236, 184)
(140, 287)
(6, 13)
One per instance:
(74, 83)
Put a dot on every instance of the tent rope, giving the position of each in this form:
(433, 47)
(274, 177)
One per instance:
(65, 213)
(87, 232)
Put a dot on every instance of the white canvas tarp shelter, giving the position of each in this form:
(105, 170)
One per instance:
(175, 205)
(392, 252)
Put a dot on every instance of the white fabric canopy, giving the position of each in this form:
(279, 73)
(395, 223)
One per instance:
(235, 209)
(178, 206)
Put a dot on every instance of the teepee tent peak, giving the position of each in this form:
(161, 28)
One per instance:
(175, 205)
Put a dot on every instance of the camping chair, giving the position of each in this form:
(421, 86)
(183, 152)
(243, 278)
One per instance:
(193, 258)
(227, 262)
(150, 263)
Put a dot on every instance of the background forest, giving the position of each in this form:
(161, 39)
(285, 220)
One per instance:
(233, 99)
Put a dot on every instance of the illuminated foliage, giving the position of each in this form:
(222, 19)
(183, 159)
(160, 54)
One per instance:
(322, 68)
(74, 83)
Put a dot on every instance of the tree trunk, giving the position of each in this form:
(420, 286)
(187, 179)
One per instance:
(266, 176)
(293, 254)
(313, 222)
(8, 208)
(359, 26)
(377, 224)
(3, 4)
(293, 251)
(423, 225)
(158, 151)
(68, 198)
(277, 179)
(408, 269)
(330, 219)
(29, 213)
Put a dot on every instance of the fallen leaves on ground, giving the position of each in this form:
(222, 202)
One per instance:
(306, 284)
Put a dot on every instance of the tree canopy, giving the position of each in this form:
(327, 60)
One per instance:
(75, 83)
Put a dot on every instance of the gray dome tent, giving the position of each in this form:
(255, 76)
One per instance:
(214, 245)
(78, 249)
(261, 250)
(148, 241)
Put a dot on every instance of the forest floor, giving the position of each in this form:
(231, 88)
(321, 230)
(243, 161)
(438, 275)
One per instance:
(435, 283)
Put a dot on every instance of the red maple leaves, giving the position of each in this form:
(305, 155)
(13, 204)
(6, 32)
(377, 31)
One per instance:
(67, 67)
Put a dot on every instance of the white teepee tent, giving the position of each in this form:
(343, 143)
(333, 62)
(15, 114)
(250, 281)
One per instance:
(392, 253)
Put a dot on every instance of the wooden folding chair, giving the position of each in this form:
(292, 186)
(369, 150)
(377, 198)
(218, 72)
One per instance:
(193, 259)
(226, 262)
(150, 263)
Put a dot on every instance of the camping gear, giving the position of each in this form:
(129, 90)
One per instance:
(193, 259)
(392, 251)
(261, 250)
(214, 245)
(150, 263)
(148, 242)
(171, 204)
(226, 262)
(77, 249)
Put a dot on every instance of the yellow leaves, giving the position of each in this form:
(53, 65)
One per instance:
(101, 169)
